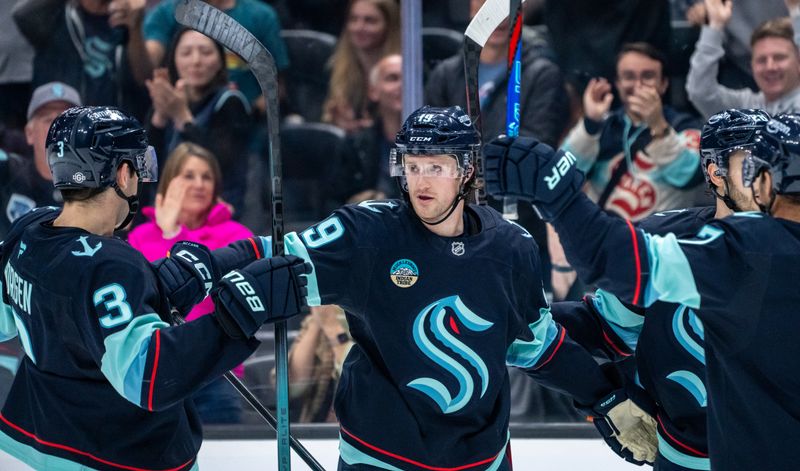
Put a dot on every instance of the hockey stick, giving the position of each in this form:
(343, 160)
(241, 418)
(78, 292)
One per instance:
(217, 25)
(488, 18)
(513, 90)
(265, 414)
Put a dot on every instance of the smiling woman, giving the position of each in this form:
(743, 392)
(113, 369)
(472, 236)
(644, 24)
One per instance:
(192, 102)
(188, 208)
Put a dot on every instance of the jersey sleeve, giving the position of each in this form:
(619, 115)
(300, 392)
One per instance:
(147, 361)
(545, 351)
(602, 324)
(340, 251)
(641, 268)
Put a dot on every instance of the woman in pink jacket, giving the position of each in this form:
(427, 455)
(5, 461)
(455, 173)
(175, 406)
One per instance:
(188, 207)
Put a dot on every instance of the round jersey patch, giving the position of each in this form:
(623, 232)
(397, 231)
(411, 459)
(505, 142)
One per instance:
(404, 273)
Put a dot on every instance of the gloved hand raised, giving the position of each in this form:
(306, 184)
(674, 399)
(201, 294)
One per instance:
(526, 169)
(266, 290)
(187, 275)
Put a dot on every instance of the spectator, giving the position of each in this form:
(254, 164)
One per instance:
(364, 171)
(16, 70)
(543, 100)
(642, 157)
(26, 183)
(257, 17)
(734, 68)
(372, 30)
(193, 103)
(326, 16)
(315, 362)
(188, 208)
(95, 46)
(775, 64)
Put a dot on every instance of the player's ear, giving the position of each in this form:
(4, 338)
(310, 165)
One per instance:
(716, 180)
(124, 175)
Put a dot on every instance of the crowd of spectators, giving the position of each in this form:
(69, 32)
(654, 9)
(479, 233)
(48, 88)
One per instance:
(598, 78)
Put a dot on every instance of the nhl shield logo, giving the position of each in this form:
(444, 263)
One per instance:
(457, 248)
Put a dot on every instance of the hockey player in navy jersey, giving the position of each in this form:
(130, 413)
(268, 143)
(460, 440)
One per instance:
(667, 338)
(105, 378)
(737, 274)
(440, 296)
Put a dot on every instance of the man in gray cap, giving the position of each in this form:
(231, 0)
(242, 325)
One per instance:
(25, 183)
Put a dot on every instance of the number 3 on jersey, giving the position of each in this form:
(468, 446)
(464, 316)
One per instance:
(323, 233)
(113, 297)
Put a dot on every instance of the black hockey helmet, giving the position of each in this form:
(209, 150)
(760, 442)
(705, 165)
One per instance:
(436, 131)
(726, 132)
(778, 152)
(86, 145)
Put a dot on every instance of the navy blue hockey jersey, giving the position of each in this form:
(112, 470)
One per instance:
(435, 321)
(668, 342)
(739, 275)
(104, 379)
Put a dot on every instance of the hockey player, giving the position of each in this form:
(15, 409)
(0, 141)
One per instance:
(666, 338)
(105, 378)
(736, 273)
(441, 295)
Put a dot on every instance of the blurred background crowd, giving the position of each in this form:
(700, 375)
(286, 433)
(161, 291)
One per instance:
(624, 84)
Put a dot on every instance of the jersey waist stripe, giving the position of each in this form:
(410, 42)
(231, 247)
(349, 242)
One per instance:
(676, 441)
(417, 463)
(83, 453)
(681, 459)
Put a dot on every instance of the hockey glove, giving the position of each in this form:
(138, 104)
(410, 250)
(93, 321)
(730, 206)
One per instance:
(267, 290)
(627, 428)
(526, 169)
(187, 275)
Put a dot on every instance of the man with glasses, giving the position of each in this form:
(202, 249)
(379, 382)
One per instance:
(642, 157)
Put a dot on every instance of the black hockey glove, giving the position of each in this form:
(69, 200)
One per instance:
(527, 169)
(626, 420)
(187, 275)
(267, 290)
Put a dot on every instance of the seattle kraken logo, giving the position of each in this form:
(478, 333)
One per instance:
(435, 316)
(88, 251)
(689, 380)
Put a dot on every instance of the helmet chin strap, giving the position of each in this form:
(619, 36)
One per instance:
(726, 198)
(133, 206)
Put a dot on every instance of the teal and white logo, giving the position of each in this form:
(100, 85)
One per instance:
(404, 273)
(443, 318)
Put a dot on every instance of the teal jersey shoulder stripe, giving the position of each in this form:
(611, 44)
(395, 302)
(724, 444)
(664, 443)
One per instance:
(681, 459)
(624, 322)
(294, 246)
(125, 358)
(671, 277)
(524, 354)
